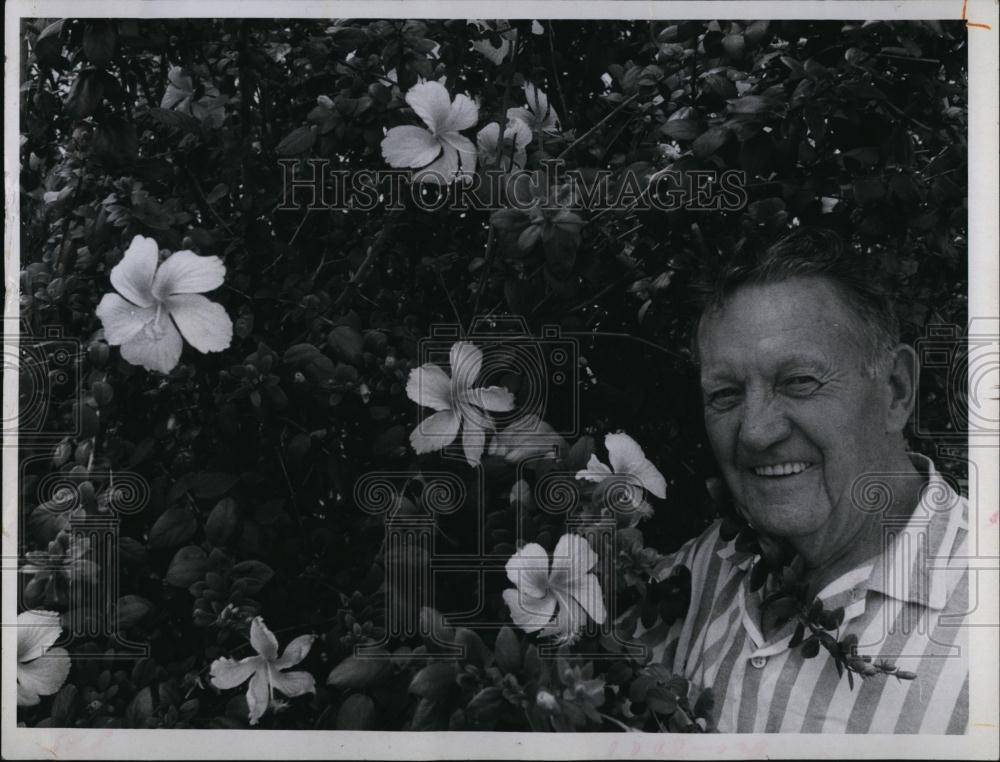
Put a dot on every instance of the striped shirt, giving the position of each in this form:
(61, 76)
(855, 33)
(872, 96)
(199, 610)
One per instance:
(906, 607)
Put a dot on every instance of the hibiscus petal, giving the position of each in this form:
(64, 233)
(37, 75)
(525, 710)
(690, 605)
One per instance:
(204, 324)
(263, 640)
(156, 347)
(133, 276)
(473, 440)
(493, 55)
(571, 560)
(258, 694)
(494, 398)
(466, 361)
(486, 142)
(409, 146)
(538, 102)
(520, 132)
(463, 114)
(293, 684)
(121, 319)
(528, 436)
(442, 171)
(26, 697)
(45, 675)
(185, 272)
(37, 631)
(587, 592)
(429, 386)
(569, 620)
(530, 614)
(431, 102)
(523, 115)
(435, 432)
(228, 673)
(529, 570)
(295, 652)
(595, 471)
(626, 457)
(466, 151)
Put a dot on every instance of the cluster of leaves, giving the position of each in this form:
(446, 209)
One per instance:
(176, 130)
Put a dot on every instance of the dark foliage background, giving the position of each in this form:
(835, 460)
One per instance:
(252, 454)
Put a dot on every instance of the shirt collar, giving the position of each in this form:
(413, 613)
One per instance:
(904, 570)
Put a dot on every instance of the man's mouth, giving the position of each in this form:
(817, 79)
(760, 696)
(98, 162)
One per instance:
(782, 469)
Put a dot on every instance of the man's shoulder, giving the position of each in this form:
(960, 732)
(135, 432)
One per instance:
(699, 551)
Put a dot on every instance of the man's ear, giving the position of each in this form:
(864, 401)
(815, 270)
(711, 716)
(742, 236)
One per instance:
(901, 385)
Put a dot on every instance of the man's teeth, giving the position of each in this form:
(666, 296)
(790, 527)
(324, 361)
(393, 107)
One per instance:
(781, 469)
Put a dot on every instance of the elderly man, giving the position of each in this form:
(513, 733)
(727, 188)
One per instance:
(807, 391)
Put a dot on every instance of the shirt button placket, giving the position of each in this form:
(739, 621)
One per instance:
(759, 661)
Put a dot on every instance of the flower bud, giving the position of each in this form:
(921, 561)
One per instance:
(83, 452)
(103, 392)
(546, 701)
(62, 453)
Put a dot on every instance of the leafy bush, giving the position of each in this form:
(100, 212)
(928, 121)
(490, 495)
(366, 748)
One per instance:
(248, 465)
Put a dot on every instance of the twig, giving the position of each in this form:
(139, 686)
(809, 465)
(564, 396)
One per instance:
(555, 74)
(909, 58)
(488, 254)
(301, 223)
(288, 481)
(65, 235)
(374, 250)
(607, 116)
(203, 200)
(454, 309)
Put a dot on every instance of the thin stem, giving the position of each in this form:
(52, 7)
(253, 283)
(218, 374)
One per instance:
(555, 74)
(589, 132)
(488, 254)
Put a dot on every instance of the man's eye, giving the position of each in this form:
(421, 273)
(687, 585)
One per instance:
(723, 399)
(801, 386)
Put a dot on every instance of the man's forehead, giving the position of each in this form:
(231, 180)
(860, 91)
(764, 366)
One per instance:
(796, 321)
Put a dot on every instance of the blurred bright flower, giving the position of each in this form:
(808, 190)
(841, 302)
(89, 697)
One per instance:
(555, 598)
(440, 151)
(179, 95)
(506, 33)
(583, 689)
(41, 669)
(671, 150)
(546, 701)
(538, 114)
(265, 671)
(457, 403)
(633, 470)
(516, 137)
(162, 304)
(528, 436)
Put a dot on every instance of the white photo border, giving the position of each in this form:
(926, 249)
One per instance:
(983, 739)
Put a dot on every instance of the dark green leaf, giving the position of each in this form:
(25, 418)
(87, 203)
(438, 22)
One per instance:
(435, 681)
(359, 672)
(298, 141)
(131, 609)
(222, 522)
(356, 713)
(507, 650)
(173, 527)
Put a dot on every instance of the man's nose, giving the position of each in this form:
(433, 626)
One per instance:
(763, 423)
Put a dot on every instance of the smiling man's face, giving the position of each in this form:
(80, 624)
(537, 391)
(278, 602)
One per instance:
(792, 415)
